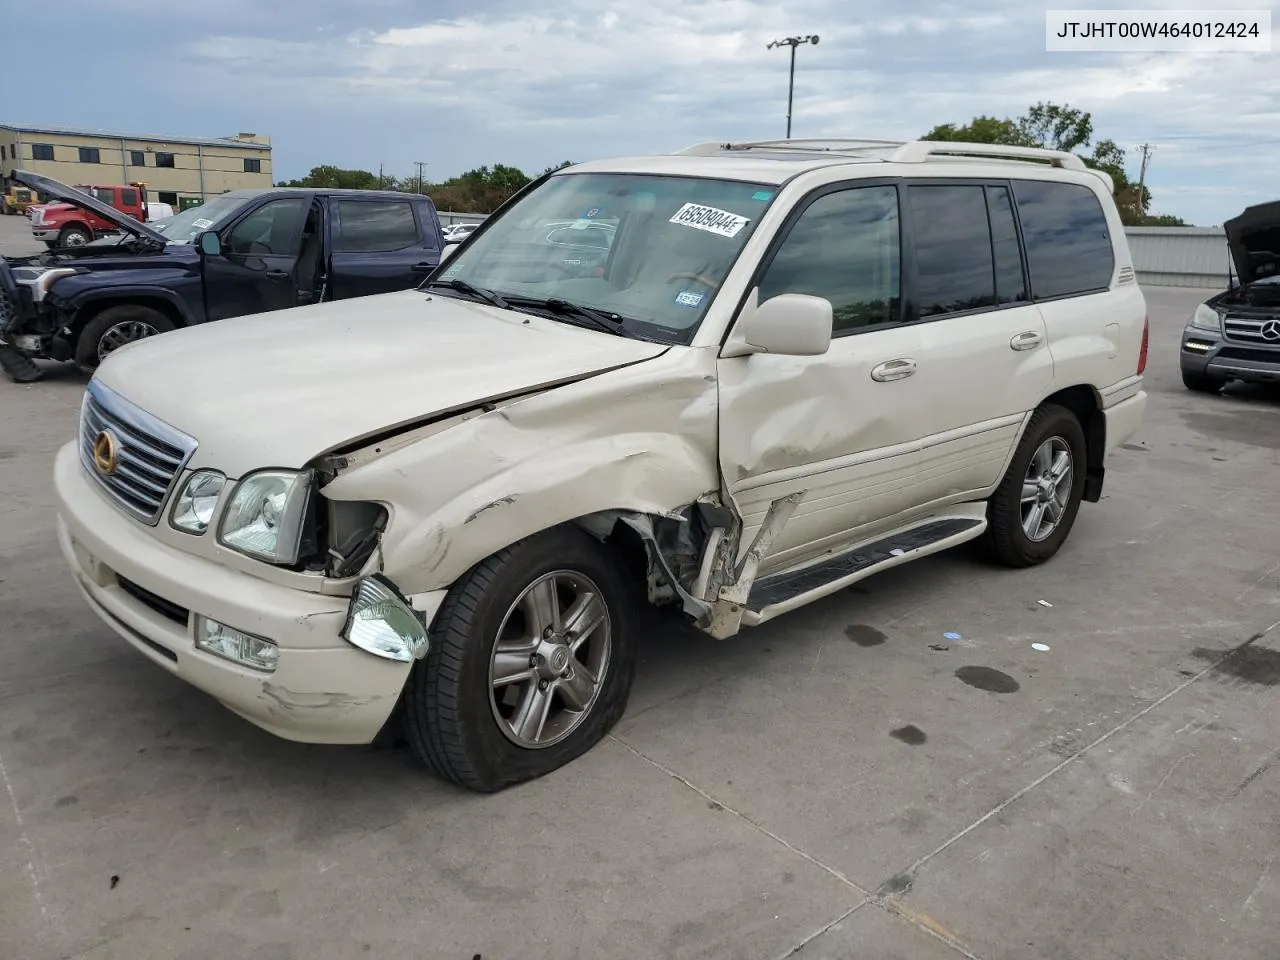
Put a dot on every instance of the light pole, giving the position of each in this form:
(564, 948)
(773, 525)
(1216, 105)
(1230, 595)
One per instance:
(792, 42)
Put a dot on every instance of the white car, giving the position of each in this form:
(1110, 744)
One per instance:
(800, 365)
(457, 232)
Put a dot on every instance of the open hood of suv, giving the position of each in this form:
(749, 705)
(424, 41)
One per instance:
(78, 198)
(1254, 240)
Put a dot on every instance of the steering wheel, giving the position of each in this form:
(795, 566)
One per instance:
(696, 278)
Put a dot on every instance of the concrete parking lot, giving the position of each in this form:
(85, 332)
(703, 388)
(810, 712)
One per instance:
(844, 782)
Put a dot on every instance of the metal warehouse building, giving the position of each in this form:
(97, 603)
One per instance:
(180, 171)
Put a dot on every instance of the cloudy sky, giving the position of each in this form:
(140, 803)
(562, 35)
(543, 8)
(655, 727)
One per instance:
(459, 83)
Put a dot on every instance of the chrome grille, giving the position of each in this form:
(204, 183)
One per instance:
(149, 455)
(1250, 329)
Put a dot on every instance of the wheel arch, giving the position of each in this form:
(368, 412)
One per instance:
(153, 299)
(1085, 403)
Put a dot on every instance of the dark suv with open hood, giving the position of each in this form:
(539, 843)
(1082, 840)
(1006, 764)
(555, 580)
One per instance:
(244, 252)
(1235, 335)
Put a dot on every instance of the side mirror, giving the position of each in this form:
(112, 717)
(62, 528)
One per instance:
(210, 245)
(449, 250)
(789, 325)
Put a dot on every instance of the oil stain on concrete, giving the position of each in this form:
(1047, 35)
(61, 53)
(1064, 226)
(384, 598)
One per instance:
(1250, 664)
(986, 678)
(910, 735)
(864, 636)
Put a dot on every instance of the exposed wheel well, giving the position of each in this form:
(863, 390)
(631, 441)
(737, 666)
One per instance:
(159, 304)
(1083, 401)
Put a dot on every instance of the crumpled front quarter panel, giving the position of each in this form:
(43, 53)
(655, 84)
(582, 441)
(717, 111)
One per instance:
(642, 438)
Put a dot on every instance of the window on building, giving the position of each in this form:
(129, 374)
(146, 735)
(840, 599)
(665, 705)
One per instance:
(90, 155)
(42, 151)
(1068, 243)
(137, 158)
(845, 247)
(371, 226)
(252, 165)
(164, 159)
(954, 265)
(165, 196)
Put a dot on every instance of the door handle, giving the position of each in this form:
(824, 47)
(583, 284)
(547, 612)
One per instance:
(893, 370)
(1026, 341)
(276, 275)
(422, 267)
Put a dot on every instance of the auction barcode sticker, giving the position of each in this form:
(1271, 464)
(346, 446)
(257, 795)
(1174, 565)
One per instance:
(723, 222)
(1157, 31)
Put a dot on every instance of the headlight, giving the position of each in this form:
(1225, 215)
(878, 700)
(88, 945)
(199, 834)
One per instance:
(1206, 318)
(193, 508)
(380, 621)
(267, 515)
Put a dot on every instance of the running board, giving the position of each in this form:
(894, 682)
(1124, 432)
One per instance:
(781, 592)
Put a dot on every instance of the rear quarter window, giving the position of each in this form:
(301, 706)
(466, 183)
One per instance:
(1067, 239)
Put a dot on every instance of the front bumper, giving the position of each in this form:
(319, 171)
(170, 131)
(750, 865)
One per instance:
(1206, 353)
(44, 234)
(323, 690)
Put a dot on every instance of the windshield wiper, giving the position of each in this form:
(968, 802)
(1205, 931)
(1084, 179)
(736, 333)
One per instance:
(488, 296)
(599, 319)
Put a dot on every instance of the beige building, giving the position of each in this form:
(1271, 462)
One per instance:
(179, 171)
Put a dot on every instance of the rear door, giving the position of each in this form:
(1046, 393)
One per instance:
(257, 270)
(378, 245)
(983, 354)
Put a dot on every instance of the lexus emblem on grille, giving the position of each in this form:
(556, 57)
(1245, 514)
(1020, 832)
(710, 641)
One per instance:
(1271, 330)
(105, 453)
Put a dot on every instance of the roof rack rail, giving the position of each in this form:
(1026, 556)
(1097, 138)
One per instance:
(826, 145)
(919, 151)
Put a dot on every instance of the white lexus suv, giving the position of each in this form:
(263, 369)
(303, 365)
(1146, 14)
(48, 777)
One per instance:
(790, 366)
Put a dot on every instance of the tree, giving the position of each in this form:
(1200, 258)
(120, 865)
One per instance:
(335, 178)
(1058, 127)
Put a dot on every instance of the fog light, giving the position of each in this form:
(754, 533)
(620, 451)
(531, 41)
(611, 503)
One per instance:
(231, 644)
(1198, 345)
(380, 621)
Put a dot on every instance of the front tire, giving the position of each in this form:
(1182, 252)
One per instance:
(74, 237)
(531, 663)
(1200, 383)
(1035, 506)
(113, 328)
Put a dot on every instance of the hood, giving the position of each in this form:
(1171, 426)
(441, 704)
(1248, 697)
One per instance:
(78, 198)
(278, 389)
(1254, 241)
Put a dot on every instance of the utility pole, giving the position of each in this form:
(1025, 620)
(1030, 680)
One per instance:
(792, 42)
(1147, 150)
(419, 164)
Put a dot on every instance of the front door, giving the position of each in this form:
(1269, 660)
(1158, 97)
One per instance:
(843, 427)
(983, 357)
(257, 270)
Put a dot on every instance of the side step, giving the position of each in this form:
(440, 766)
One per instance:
(781, 592)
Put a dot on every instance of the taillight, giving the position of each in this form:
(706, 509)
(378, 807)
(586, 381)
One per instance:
(1142, 352)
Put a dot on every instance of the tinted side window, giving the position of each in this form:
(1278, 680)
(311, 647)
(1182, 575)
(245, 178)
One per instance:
(275, 228)
(106, 194)
(372, 226)
(1010, 285)
(128, 198)
(954, 269)
(845, 247)
(1065, 231)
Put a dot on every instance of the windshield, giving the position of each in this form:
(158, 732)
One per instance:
(184, 227)
(651, 250)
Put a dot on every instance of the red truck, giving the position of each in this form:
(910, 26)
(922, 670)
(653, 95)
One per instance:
(66, 225)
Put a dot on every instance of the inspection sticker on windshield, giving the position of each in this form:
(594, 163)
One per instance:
(201, 224)
(687, 298)
(710, 219)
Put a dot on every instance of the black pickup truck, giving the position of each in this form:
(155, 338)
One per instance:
(243, 252)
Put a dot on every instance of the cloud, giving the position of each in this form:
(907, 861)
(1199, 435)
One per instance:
(532, 81)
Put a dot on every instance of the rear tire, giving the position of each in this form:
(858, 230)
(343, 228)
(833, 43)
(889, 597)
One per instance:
(113, 328)
(1045, 480)
(1200, 383)
(473, 706)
